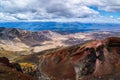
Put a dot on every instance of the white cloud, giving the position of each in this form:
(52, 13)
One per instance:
(87, 2)
(110, 5)
(53, 9)
(111, 8)
(7, 17)
(41, 9)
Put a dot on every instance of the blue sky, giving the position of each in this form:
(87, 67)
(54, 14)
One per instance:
(114, 14)
(60, 10)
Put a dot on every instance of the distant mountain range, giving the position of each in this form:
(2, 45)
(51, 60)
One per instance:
(17, 40)
(62, 27)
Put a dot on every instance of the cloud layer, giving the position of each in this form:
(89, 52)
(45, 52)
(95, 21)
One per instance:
(53, 9)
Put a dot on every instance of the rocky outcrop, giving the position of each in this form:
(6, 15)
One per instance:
(11, 71)
(94, 60)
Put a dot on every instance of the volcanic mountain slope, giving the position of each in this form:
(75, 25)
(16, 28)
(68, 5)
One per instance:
(93, 60)
(96, 60)
(13, 36)
(15, 42)
(82, 61)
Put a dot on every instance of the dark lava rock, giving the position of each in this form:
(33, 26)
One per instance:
(11, 71)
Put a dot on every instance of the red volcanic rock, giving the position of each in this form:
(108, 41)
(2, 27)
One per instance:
(95, 60)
